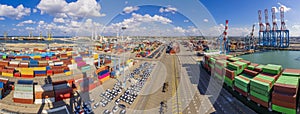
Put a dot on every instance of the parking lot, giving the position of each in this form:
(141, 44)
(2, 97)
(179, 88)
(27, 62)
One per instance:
(114, 97)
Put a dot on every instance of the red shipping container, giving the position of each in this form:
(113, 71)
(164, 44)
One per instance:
(39, 75)
(23, 101)
(49, 72)
(240, 91)
(285, 97)
(59, 82)
(250, 72)
(258, 101)
(27, 76)
(63, 94)
(17, 74)
(285, 88)
(284, 104)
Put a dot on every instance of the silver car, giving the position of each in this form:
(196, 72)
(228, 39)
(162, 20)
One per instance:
(115, 109)
(123, 111)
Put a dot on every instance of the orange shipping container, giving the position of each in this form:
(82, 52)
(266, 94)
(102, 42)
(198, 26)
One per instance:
(43, 95)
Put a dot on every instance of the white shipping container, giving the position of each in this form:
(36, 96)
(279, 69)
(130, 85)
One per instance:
(73, 66)
(42, 88)
(90, 61)
(51, 64)
(14, 62)
(58, 63)
(47, 100)
(50, 61)
(24, 63)
(3, 78)
(43, 62)
(23, 95)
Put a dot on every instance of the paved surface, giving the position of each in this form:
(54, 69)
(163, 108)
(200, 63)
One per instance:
(190, 91)
(209, 96)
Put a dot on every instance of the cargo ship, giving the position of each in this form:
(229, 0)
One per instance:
(269, 86)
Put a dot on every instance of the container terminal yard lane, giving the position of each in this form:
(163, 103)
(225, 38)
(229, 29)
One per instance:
(190, 92)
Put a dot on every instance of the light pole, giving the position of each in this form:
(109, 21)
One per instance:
(124, 81)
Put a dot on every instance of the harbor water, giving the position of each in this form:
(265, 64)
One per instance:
(288, 59)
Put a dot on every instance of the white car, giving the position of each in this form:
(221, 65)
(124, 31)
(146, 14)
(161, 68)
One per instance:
(115, 109)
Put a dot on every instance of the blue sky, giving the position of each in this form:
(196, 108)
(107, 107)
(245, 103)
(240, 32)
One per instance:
(160, 17)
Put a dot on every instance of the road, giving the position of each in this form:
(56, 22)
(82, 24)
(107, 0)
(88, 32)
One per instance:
(191, 90)
(202, 94)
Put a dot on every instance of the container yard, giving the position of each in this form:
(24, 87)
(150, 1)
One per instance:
(165, 57)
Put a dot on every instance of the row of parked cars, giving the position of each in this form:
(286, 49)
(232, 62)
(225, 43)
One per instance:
(132, 92)
(129, 94)
(85, 106)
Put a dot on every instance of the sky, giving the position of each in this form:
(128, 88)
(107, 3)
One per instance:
(141, 18)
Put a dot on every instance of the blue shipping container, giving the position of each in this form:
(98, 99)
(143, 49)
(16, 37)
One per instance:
(25, 58)
(48, 67)
(27, 82)
(33, 65)
(113, 73)
(1, 85)
(40, 72)
(103, 72)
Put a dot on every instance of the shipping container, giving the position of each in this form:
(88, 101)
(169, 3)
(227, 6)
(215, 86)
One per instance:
(7, 74)
(23, 87)
(23, 101)
(23, 95)
(41, 88)
(63, 94)
(27, 82)
(60, 86)
(44, 95)
(46, 100)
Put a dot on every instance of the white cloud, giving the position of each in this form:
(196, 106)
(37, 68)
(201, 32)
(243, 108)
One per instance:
(14, 29)
(205, 20)
(186, 21)
(58, 20)
(2, 18)
(29, 28)
(139, 24)
(26, 22)
(179, 29)
(14, 13)
(78, 9)
(72, 27)
(168, 9)
(41, 22)
(295, 31)
(130, 9)
(136, 19)
(286, 9)
(34, 10)
(232, 31)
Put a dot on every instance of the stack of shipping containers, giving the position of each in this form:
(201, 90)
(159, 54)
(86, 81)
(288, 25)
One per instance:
(62, 90)
(44, 94)
(233, 69)
(261, 85)
(103, 73)
(284, 95)
(3, 86)
(23, 92)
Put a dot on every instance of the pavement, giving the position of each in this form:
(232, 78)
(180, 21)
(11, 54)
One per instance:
(203, 94)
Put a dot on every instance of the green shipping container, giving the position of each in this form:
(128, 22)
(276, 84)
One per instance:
(260, 96)
(19, 87)
(283, 109)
